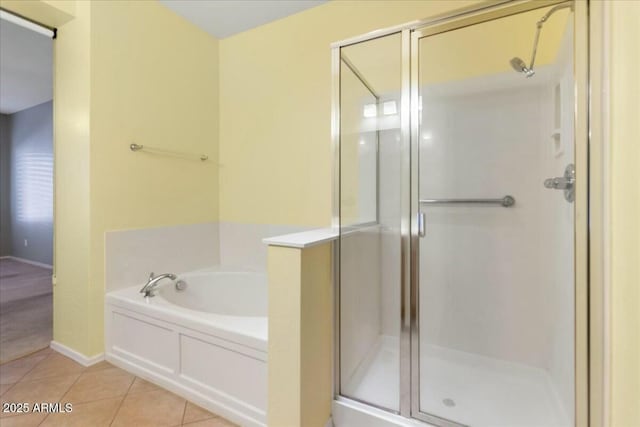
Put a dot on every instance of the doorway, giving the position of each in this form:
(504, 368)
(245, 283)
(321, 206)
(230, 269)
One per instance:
(26, 187)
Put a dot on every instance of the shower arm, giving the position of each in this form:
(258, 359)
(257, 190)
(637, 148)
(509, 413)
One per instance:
(539, 25)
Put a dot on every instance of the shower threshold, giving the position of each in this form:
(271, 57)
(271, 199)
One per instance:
(464, 387)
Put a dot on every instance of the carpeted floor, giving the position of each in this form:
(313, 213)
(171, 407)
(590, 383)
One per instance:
(25, 309)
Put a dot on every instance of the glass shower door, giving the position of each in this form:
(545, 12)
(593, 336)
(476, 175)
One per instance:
(369, 214)
(495, 260)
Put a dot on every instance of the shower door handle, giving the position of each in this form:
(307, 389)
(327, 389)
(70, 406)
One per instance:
(421, 222)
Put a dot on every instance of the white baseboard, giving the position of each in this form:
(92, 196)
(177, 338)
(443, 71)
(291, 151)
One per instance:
(78, 357)
(27, 261)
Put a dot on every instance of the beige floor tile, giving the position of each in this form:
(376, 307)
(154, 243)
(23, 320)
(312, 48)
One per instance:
(54, 365)
(157, 408)
(43, 390)
(142, 386)
(92, 414)
(28, 420)
(13, 371)
(101, 384)
(100, 365)
(212, 422)
(195, 413)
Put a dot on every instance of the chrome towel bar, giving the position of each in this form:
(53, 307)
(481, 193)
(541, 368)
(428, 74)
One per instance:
(506, 201)
(138, 147)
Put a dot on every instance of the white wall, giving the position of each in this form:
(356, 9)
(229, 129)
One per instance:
(241, 244)
(499, 281)
(130, 255)
(480, 266)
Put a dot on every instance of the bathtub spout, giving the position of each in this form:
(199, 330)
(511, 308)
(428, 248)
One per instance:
(148, 289)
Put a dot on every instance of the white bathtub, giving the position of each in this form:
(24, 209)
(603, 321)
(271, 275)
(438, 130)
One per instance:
(207, 343)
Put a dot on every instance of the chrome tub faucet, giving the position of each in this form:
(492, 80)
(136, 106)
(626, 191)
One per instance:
(148, 289)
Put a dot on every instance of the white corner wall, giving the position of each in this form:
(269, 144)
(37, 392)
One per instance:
(130, 255)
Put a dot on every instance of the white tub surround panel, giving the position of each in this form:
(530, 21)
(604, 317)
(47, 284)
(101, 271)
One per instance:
(241, 244)
(215, 360)
(130, 255)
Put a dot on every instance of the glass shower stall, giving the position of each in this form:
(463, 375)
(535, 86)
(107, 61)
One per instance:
(460, 195)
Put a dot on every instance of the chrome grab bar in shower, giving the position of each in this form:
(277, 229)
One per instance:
(506, 201)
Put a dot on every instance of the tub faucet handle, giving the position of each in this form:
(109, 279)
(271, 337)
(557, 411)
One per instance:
(148, 289)
(151, 275)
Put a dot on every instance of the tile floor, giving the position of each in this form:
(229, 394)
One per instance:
(101, 395)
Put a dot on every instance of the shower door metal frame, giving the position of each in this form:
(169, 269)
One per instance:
(409, 286)
(581, 140)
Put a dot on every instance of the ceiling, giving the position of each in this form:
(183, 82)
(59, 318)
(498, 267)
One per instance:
(224, 18)
(26, 68)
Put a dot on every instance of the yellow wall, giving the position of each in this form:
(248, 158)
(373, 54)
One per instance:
(316, 331)
(625, 213)
(275, 109)
(284, 270)
(481, 50)
(473, 51)
(300, 336)
(53, 13)
(72, 139)
(124, 72)
(154, 81)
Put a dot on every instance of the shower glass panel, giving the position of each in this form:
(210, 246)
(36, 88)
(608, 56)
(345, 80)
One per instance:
(370, 181)
(496, 283)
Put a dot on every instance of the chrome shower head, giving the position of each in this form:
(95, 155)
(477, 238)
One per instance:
(521, 67)
(518, 64)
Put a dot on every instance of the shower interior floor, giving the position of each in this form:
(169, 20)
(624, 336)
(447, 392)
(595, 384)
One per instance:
(463, 387)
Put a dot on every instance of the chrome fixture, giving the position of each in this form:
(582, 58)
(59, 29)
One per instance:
(139, 147)
(506, 201)
(421, 222)
(181, 285)
(517, 63)
(148, 289)
(521, 67)
(566, 182)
